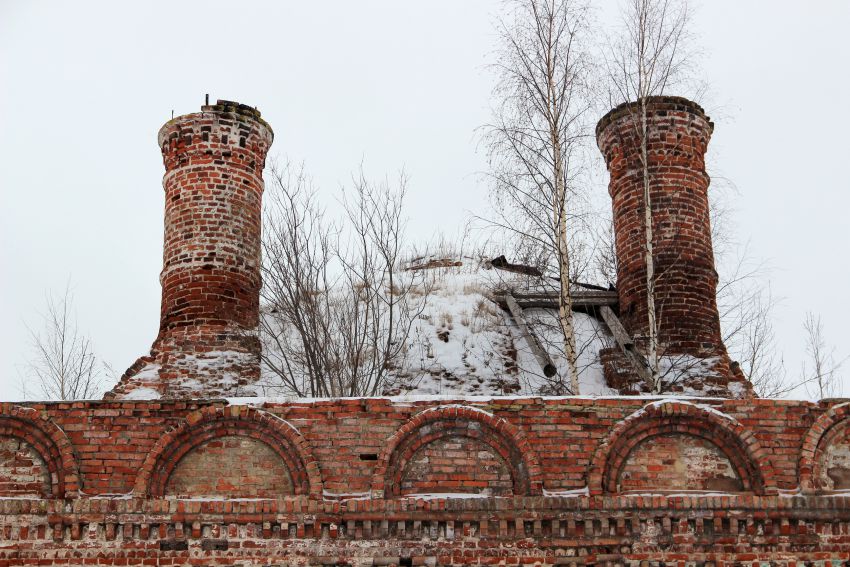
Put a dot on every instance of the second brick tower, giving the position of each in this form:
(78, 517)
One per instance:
(693, 358)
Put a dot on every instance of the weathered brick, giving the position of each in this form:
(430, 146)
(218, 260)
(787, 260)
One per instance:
(210, 279)
(688, 323)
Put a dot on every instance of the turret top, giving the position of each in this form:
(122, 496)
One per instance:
(222, 108)
(654, 105)
(231, 106)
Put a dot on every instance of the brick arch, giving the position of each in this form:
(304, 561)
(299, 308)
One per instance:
(49, 441)
(750, 461)
(819, 436)
(213, 422)
(433, 424)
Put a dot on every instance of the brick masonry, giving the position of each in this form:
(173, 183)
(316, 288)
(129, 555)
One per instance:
(678, 462)
(23, 472)
(574, 480)
(688, 323)
(232, 464)
(457, 463)
(213, 182)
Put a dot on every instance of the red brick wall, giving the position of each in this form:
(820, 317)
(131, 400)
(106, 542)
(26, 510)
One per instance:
(835, 467)
(355, 445)
(230, 466)
(457, 464)
(678, 462)
(825, 455)
(23, 471)
(563, 457)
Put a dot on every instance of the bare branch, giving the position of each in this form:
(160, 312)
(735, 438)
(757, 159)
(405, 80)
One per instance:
(337, 313)
(64, 365)
(821, 369)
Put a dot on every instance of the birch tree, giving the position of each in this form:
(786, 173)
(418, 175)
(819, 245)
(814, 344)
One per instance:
(538, 129)
(649, 56)
(385, 301)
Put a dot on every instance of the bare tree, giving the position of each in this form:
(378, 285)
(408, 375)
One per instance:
(64, 365)
(335, 318)
(746, 308)
(821, 369)
(605, 260)
(385, 304)
(650, 56)
(745, 301)
(296, 323)
(538, 130)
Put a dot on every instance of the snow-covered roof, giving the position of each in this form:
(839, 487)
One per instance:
(465, 343)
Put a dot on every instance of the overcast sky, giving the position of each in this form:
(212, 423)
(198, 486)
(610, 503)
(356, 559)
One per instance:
(85, 86)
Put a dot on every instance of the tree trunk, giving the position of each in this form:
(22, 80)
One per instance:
(565, 302)
(652, 331)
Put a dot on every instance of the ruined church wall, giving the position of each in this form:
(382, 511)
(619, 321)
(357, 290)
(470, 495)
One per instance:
(549, 481)
(552, 442)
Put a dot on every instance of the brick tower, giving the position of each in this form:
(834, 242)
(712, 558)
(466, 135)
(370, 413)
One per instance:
(678, 131)
(213, 183)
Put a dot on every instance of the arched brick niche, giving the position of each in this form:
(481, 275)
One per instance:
(825, 456)
(23, 471)
(36, 458)
(235, 452)
(457, 449)
(672, 445)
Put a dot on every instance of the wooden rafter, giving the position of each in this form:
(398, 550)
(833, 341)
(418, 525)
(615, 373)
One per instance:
(540, 354)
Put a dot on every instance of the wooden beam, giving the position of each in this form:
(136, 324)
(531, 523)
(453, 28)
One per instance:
(543, 358)
(587, 295)
(626, 344)
(617, 330)
(546, 300)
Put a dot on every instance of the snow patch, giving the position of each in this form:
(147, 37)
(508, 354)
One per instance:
(406, 400)
(149, 372)
(575, 492)
(465, 344)
(591, 337)
(681, 370)
(448, 495)
(684, 401)
(123, 496)
(738, 389)
(142, 393)
(218, 499)
(458, 406)
(347, 495)
(217, 369)
(681, 494)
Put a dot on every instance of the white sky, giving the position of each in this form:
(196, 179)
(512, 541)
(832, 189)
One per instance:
(85, 86)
